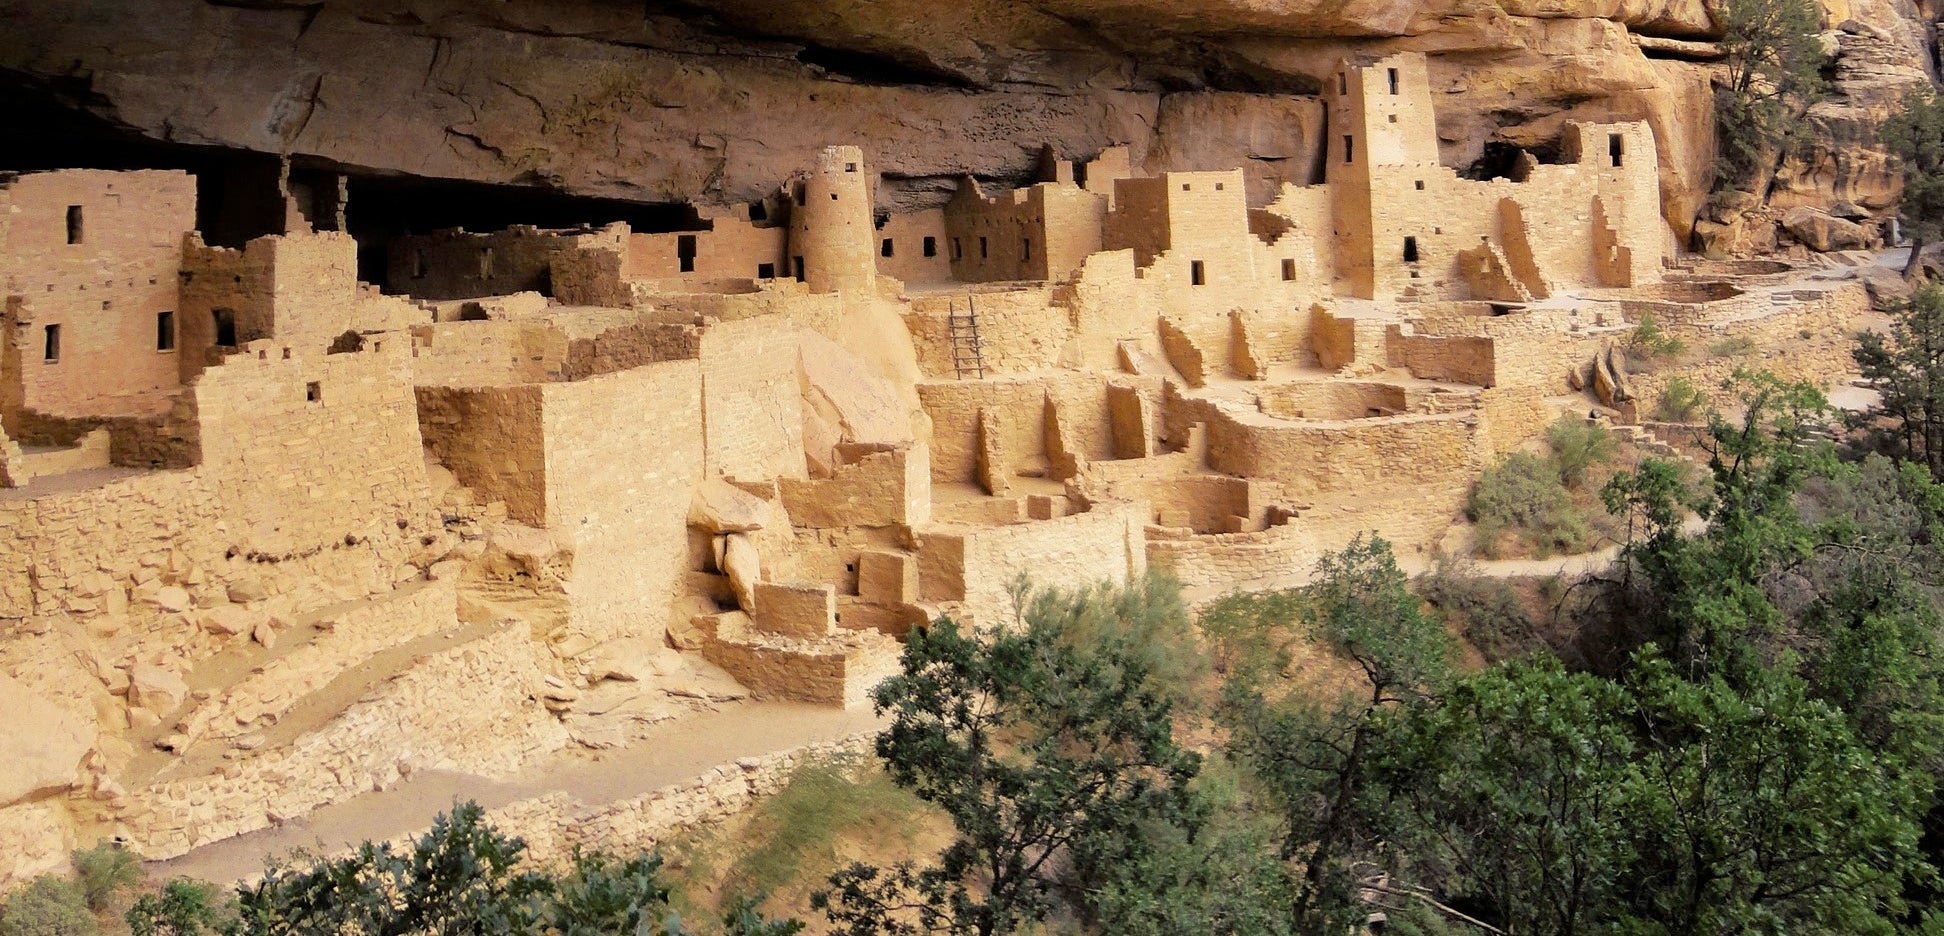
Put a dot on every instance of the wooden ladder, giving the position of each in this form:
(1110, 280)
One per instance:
(967, 357)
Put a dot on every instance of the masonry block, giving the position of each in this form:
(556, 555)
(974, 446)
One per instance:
(805, 611)
(887, 577)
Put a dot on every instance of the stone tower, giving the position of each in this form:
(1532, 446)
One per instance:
(831, 231)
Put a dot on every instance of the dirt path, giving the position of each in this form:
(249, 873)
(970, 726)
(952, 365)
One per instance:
(670, 754)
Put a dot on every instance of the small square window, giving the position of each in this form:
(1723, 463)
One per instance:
(833, 196)
(1184, 186)
(765, 271)
(313, 392)
(1218, 186)
(1420, 185)
(848, 167)
(1391, 117)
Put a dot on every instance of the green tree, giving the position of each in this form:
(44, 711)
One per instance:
(1916, 135)
(1522, 494)
(47, 906)
(1054, 757)
(183, 907)
(1316, 755)
(1521, 784)
(1906, 368)
(105, 871)
(1774, 57)
(1578, 445)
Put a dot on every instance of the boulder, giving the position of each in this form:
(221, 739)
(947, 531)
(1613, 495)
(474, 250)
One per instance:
(230, 620)
(740, 561)
(43, 746)
(721, 507)
(1821, 231)
(156, 689)
(171, 598)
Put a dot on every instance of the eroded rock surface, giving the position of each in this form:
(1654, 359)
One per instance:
(713, 101)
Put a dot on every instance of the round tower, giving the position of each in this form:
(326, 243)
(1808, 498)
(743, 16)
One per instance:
(831, 231)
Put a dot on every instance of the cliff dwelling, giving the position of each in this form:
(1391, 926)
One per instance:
(352, 481)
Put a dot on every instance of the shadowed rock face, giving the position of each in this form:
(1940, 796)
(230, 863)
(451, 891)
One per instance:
(715, 101)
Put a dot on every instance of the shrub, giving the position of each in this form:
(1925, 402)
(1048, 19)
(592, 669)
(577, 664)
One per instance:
(1736, 346)
(1522, 494)
(102, 871)
(1487, 611)
(48, 906)
(1577, 445)
(1652, 341)
(184, 907)
(1680, 401)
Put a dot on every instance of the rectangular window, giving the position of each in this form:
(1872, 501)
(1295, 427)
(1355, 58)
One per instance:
(982, 249)
(758, 211)
(1196, 274)
(313, 392)
(1218, 186)
(850, 167)
(1025, 248)
(884, 248)
(1349, 148)
(485, 263)
(1184, 186)
(1420, 185)
(225, 326)
(1391, 117)
(765, 271)
(51, 344)
(1410, 250)
(931, 246)
(1289, 270)
(165, 331)
(800, 195)
(957, 253)
(74, 224)
(1393, 81)
(418, 264)
(1343, 83)
(799, 268)
(685, 252)
(1616, 147)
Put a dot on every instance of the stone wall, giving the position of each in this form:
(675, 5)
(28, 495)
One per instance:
(492, 440)
(975, 567)
(92, 255)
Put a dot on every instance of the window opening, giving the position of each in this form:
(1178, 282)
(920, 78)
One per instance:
(418, 264)
(685, 251)
(313, 392)
(1288, 270)
(51, 344)
(1349, 148)
(1196, 273)
(765, 271)
(850, 167)
(165, 331)
(982, 249)
(931, 247)
(74, 224)
(884, 249)
(1025, 248)
(957, 253)
(799, 268)
(225, 322)
(1393, 80)
(758, 211)
(1410, 250)
(1616, 147)
(1420, 185)
(1343, 83)
(485, 262)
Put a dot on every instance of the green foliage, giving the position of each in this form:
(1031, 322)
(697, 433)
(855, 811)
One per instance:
(1315, 754)
(1522, 494)
(183, 907)
(48, 906)
(1774, 56)
(1652, 341)
(1679, 401)
(1487, 610)
(458, 879)
(1250, 633)
(1916, 135)
(804, 820)
(103, 872)
(1906, 368)
(1578, 445)
(1736, 346)
(1052, 749)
